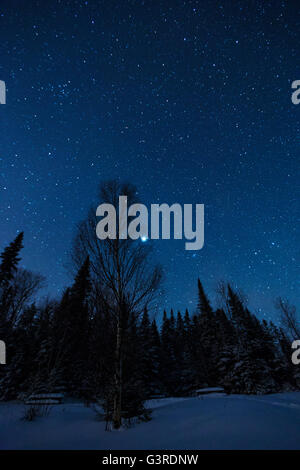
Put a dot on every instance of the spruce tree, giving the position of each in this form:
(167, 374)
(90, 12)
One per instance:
(169, 369)
(8, 268)
(156, 387)
(145, 360)
(10, 259)
(207, 335)
(70, 332)
(227, 343)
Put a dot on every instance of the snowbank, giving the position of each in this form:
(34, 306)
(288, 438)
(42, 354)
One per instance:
(209, 422)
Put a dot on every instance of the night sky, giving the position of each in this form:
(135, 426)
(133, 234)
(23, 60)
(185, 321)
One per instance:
(189, 100)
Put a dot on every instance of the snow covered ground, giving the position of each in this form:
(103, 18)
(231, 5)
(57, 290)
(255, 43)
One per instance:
(206, 422)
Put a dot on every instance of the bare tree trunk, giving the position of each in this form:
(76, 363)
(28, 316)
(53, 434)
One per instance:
(117, 412)
(117, 418)
(126, 277)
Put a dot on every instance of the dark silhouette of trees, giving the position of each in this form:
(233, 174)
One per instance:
(100, 342)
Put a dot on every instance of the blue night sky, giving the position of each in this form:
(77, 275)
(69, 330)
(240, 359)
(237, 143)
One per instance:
(189, 100)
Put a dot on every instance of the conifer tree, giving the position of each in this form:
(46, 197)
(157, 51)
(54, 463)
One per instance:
(145, 361)
(169, 369)
(155, 354)
(70, 328)
(207, 335)
(226, 343)
(8, 268)
(10, 259)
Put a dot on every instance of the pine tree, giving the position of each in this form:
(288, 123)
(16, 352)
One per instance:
(200, 360)
(155, 354)
(227, 343)
(250, 373)
(145, 360)
(8, 268)
(186, 320)
(22, 353)
(188, 377)
(207, 335)
(70, 332)
(135, 369)
(10, 259)
(169, 369)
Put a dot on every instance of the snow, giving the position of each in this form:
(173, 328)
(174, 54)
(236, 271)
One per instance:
(207, 422)
(45, 399)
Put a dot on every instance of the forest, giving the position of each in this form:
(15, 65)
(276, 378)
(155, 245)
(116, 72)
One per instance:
(102, 343)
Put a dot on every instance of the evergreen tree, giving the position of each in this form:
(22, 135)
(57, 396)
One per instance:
(22, 353)
(145, 360)
(70, 332)
(207, 335)
(10, 259)
(227, 343)
(70, 346)
(251, 372)
(169, 370)
(155, 354)
(8, 268)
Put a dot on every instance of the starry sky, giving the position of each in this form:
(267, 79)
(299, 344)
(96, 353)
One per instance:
(188, 100)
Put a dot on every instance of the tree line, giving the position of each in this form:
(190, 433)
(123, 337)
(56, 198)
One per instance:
(100, 342)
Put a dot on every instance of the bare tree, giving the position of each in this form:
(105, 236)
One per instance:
(288, 317)
(126, 280)
(24, 285)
